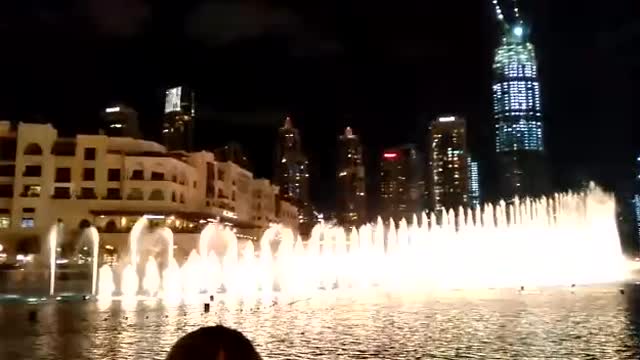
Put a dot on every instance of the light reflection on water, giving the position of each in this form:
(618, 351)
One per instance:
(592, 323)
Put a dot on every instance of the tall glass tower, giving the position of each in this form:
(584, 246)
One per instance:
(179, 114)
(518, 112)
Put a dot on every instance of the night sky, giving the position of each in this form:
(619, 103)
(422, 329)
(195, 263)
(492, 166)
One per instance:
(385, 68)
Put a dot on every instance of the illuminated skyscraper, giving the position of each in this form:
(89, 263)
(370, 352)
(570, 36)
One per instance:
(120, 121)
(292, 173)
(518, 112)
(401, 182)
(448, 164)
(351, 181)
(292, 168)
(234, 153)
(179, 113)
(474, 183)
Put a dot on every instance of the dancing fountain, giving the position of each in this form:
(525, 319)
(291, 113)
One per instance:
(567, 239)
(90, 233)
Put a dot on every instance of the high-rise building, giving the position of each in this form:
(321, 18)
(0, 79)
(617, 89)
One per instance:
(120, 120)
(351, 182)
(292, 173)
(474, 183)
(401, 182)
(448, 165)
(234, 153)
(179, 114)
(518, 112)
(292, 168)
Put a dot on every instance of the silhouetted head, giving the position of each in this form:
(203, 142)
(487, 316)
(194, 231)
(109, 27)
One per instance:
(213, 343)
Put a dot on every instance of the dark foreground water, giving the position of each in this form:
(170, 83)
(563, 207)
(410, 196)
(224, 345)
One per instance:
(589, 323)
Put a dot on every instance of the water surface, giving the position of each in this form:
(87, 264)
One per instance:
(587, 323)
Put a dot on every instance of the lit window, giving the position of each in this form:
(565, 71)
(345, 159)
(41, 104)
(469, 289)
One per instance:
(32, 191)
(27, 222)
(5, 221)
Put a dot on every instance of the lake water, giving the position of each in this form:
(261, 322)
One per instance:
(586, 323)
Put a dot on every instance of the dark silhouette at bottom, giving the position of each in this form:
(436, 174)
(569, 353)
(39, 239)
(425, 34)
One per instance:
(213, 343)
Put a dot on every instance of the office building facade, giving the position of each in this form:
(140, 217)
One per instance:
(351, 192)
(474, 183)
(233, 152)
(292, 167)
(449, 181)
(291, 172)
(401, 183)
(120, 120)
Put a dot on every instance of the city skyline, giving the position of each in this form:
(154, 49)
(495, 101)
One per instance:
(327, 90)
(295, 179)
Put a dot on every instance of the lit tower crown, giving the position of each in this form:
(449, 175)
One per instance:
(517, 111)
(516, 90)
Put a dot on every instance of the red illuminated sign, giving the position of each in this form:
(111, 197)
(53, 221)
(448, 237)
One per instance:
(390, 155)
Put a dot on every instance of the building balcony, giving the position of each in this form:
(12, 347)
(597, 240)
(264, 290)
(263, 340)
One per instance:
(61, 197)
(61, 193)
(86, 197)
(111, 197)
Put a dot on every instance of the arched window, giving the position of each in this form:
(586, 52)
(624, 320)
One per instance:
(111, 226)
(181, 198)
(173, 197)
(135, 194)
(33, 149)
(84, 223)
(156, 194)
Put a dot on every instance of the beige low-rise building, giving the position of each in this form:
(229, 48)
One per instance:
(110, 182)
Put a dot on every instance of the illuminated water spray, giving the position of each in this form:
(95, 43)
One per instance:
(563, 240)
(95, 247)
(53, 246)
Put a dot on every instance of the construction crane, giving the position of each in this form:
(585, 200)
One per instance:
(516, 25)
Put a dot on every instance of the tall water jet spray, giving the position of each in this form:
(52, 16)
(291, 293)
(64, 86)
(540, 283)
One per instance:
(95, 243)
(53, 247)
(563, 240)
(106, 285)
(151, 281)
(129, 280)
(168, 235)
(134, 236)
(203, 246)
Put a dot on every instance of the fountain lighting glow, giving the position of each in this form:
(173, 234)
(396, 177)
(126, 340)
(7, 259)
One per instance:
(567, 239)
(53, 246)
(95, 248)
